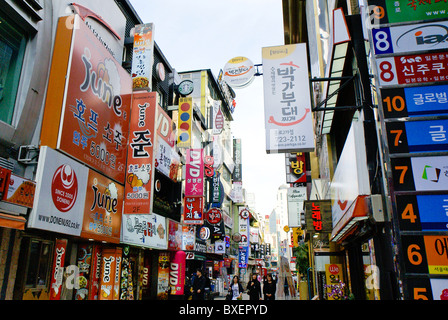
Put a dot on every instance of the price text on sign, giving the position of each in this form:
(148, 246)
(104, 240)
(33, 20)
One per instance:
(422, 212)
(413, 69)
(426, 254)
(417, 136)
(387, 11)
(415, 101)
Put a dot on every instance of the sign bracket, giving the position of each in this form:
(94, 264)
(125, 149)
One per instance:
(347, 81)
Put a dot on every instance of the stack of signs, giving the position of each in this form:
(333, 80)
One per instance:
(244, 226)
(412, 72)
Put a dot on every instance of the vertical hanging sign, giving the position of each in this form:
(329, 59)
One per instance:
(185, 122)
(140, 159)
(143, 56)
(287, 99)
(194, 178)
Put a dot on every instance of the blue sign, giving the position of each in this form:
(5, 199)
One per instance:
(433, 211)
(243, 257)
(426, 136)
(431, 100)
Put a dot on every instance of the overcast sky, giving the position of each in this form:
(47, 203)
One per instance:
(205, 34)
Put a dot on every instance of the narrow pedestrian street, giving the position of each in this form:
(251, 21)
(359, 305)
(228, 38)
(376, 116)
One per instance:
(175, 150)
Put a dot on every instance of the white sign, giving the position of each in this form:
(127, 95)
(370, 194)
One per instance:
(239, 72)
(218, 118)
(60, 193)
(146, 230)
(414, 37)
(430, 173)
(287, 102)
(351, 177)
(243, 228)
(295, 197)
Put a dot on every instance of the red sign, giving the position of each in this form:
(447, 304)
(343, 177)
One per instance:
(58, 269)
(317, 218)
(140, 159)
(193, 210)
(334, 269)
(420, 68)
(214, 216)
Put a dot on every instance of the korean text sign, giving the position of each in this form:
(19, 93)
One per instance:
(140, 163)
(89, 101)
(287, 101)
(194, 177)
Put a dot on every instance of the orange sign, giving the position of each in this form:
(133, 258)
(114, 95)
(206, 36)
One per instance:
(20, 191)
(140, 159)
(437, 254)
(88, 102)
(103, 209)
(110, 271)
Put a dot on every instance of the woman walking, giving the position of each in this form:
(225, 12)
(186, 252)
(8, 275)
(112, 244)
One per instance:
(236, 289)
(269, 288)
(254, 288)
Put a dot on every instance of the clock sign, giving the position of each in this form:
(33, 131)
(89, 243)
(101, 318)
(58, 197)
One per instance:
(186, 87)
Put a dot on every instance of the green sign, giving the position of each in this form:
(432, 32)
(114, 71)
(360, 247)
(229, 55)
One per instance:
(388, 11)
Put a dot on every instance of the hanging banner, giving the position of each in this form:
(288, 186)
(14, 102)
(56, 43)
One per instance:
(174, 235)
(88, 101)
(163, 276)
(177, 273)
(194, 177)
(84, 264)
(243, 257)
(57, 273)
(188, 238)
(193, 210)
(140, 156)
(287, 101)
(143, 56)
(237, 172)
(110, 258)
(185, 122)
(96, 272)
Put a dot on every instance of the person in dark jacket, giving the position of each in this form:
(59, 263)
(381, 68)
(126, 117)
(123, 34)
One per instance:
(236, 289)
(269, 288)
(254, 288)
(198, 286)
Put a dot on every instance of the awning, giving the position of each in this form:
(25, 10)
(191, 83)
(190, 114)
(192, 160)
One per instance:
(12, 222)
(358, 211)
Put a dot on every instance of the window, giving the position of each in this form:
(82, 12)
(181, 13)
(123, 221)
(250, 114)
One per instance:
(39, 264)
(12, 48)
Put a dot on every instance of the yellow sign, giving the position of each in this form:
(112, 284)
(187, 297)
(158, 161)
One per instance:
(335, 281)
(286, 228)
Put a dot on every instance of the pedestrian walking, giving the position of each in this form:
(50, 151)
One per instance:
(254, 288)
(236, 289)
(269, 288)
(198, 286)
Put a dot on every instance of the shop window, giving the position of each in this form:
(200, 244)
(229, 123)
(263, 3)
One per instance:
(38, 264)
(12, 48)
